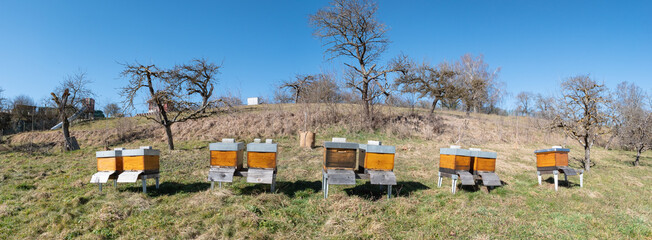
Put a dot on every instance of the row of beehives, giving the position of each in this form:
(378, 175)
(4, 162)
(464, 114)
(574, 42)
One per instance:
(127, 166)
(343, 163)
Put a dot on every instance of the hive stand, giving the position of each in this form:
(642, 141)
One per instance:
(226, 162)
(109, 166)
(376, 163)
(339, 164)
(455, 163)
(140, 164)
(483, 166)
(553, 161)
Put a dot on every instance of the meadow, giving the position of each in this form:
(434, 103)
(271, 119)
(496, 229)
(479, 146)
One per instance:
(46, 194)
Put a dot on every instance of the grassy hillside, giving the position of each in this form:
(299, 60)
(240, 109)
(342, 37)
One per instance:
(45, 193)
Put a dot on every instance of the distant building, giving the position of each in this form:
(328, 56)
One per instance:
(253, 101)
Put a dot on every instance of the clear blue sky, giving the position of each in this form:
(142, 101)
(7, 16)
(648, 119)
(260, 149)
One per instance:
(536, 43)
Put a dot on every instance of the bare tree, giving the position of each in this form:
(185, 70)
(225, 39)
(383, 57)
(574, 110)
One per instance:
(199, 77)
(633, 124)
(68, 100)
(298, 86)
(477, 82)
(350, 29)
(3, 100)
(524, 101)
(173, 104)
(112, 110)
(544, 106)
(582, 112)
(427, 81)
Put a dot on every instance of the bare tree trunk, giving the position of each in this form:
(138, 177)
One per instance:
(204, 102)
(606, 146)
(638, 155)
(66, 134)
(587, 157)
(168, 132)
(434, 104)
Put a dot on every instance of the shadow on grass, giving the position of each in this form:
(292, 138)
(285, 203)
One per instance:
(377, 192)
(562, 183)
(478, 186)
(169, 188)
(290, 189)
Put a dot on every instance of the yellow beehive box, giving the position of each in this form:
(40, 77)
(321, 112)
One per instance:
(262, 155)
(552, 158)
(374, 156)
(143, 159)
(482, 161)
(109, 160)
(454, 159)
(227, 154)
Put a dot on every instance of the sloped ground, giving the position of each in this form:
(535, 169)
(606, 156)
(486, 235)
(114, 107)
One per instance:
(45, 193)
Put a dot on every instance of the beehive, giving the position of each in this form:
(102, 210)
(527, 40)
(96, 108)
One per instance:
(109, 160)
(454, 159)
(552, 158)
(340, 154)
(482, 161)
(374, 156)
(227, 153)
(262, 155)
(143, 159)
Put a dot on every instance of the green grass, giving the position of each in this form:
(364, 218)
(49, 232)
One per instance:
(47, 195)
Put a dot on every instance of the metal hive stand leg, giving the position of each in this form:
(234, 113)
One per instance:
(115, 182)
(100, 184)
(389, 191)
(273, 187)
(582, 178)
(440, 179)
(566, 179)
(156, 182)
(212, 185)
(556, 176)
(144, 177)
(539, 177)
(454, 184)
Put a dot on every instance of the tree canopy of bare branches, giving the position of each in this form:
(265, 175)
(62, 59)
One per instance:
(199, 77)
(582, 112)
(633, 118)
(436, 83)
(350, 29)
(299, 86)
(173, 103)
(478, 83)
(525, 101)
(112, 110)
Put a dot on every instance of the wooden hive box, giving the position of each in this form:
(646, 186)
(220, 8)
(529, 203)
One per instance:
(227, 154)
(144, 159)
(482, 161)
(552, 158)
(374, 156)
(454, 159)
(262, 155)
(109, 160)
(340, 155)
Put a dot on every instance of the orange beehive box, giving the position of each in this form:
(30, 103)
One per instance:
(340, 155)
(262, 155)
(454, 159)
(227, 154)
(374, 156)
(143, 159)
(550, 159)
(109, 160)
(483, 161)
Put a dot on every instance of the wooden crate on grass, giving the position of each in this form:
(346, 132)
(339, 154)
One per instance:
(454, 159)
(374, 156)
(552, 158)
(482, 161)
(227, 154)
(109, 160)
(144, 159)
(340, 154)
(262, 155)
